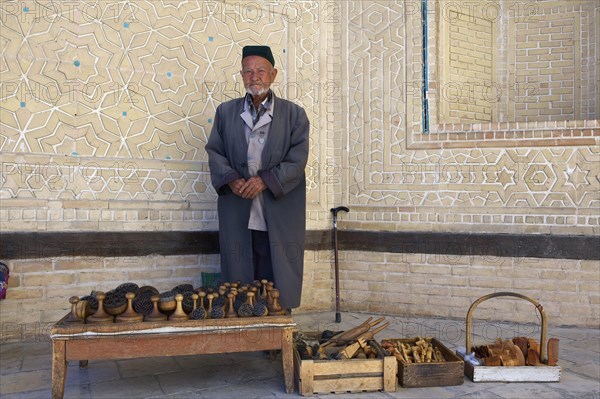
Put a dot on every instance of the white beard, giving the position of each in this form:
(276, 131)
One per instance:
(256, 92)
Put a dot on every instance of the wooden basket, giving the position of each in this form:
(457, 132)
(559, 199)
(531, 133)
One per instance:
(542, 373)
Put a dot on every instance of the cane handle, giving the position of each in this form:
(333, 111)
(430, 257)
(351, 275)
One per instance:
(339, 208)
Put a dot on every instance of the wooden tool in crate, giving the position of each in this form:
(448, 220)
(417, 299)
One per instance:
(539, 367)
(363, 331)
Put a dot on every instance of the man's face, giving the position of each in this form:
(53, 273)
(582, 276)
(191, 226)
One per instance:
(258, 74)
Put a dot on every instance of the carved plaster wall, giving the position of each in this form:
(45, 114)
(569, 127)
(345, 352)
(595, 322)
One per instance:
(106, 106)
(536, 177)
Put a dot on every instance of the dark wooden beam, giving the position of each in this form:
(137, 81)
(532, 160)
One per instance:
(467, 244)
(37, 245)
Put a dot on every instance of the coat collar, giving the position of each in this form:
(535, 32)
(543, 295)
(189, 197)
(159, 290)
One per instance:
(276, 130)
(265, 119)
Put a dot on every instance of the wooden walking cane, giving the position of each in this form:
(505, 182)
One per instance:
(338, 316)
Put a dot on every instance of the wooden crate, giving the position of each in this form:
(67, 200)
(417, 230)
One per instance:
(341, 376)
(417, 375)
(541, 373)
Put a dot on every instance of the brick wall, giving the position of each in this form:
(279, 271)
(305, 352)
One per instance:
(546, 51)
(389, 283)
(514, 61)
(446, 285)
(136, 162)
(590, 70)
(470, 62)
(39, 289)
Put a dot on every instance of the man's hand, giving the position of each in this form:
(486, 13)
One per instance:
(252, 187)
(236, 186)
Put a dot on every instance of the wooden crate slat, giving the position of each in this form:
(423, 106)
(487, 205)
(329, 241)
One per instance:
(390, 373)
(352, 384)
(430, 375)
(352, 366)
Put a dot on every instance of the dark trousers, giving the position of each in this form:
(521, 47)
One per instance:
(261, 255)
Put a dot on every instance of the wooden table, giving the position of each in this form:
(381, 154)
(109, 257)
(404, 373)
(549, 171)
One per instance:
(83, 342)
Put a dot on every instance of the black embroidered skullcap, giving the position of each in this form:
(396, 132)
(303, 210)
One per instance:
(261, 51)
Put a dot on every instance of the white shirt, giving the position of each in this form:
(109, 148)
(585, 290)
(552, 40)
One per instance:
(256, 137)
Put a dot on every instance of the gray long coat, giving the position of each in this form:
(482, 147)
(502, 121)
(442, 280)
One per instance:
(284, 158)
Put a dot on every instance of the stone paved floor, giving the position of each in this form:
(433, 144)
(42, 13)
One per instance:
(25, 367)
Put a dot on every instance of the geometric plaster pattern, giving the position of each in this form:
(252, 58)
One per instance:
(115, 100)
(108, 101)
(385, 171)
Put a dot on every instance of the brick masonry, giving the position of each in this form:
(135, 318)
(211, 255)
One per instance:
(389, 283)
(446, 285)
(96, 141)
(39, 289)
(514, 61)
(470, 68)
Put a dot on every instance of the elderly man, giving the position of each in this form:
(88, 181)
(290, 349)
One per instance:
(257, 151)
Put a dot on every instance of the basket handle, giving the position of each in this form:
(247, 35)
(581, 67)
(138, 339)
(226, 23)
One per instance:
(513, 294)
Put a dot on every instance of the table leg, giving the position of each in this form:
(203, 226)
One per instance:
(288, 360)
(59, 368)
